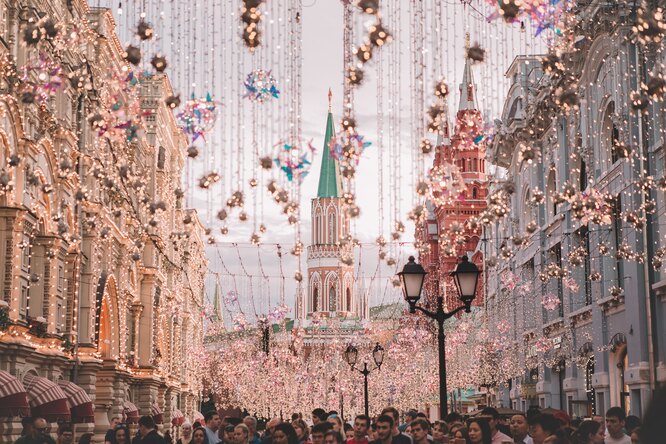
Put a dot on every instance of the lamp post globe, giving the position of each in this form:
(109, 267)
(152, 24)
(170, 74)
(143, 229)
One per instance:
(351, 354)
(412, 277)
(378, 355)
(466, 277)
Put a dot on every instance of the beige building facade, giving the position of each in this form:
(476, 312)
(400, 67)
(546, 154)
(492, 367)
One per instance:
(102, 267)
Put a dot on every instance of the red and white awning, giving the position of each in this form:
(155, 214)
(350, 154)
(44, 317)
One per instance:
(177, 418)
(131, 413)
(13, 397)
(80, 405)
(197, 416)
(156, 413)
(46, 399)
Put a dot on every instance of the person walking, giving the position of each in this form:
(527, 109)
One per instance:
(615, 417)
(420, 431)
(384, 426)
(398, 436)
(148, 432)
(361, 426)
(186, 430)
(213, 421)
(480, 432)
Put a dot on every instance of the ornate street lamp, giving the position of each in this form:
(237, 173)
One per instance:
(465, 277)
(351, 355)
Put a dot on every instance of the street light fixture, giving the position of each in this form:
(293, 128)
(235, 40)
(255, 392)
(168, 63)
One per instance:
(465, 277)
(351, 355)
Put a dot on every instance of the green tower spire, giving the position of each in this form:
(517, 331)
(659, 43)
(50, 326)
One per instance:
(330, 184)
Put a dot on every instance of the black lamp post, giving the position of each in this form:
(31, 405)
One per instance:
(351, 355)
(465, 277)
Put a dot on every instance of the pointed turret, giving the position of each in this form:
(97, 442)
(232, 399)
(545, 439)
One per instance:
(467, 87)
(330, 183)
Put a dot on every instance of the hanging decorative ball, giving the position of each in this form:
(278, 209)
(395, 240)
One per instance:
(42, 77)
(251, 16)
(198, 116)
(348, 124)
(354, 75)
(208, 180)
(435, 111)
(28, 97)
(298, 276)
(441, 89)
(192, 152)
(222, 214)
(96, 121)
(224, 230)
(293, 160)
(567, 98)
(446, 184)
(49, 28)
(266, 162)
(135, 256)
(32, 34)
(354, 211)
(638, 101)
(348, 171)
(144, 31)
(364, 52)
(378, 35)
(552, 65)
(509, 9)
(262, 228)
(253, 183)
(260, 86)
(159, 62)
(255, 239)
(172, 102)
(292, 219)
(476, 53)
(656, 87)
(650, 25)
(251, 37)
(242, 216)
(133, 55)
(531, 227)
(368, 6)
(426, 146)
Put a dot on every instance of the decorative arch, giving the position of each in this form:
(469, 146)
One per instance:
(106, 317)
(610, 136)
(331, 224)
(316, 295)
(332, 289)
(316, 226)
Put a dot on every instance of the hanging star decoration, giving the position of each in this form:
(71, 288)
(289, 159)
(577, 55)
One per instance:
(292, 162)
(198, 116)
(348, 147)
(544, 14)
(260, 86)
(42, 78)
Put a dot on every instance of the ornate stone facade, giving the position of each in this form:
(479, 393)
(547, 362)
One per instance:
(603, 353)
(102, 267)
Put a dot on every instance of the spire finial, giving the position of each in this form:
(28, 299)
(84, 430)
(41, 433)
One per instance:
(467, 41)
(330, 100)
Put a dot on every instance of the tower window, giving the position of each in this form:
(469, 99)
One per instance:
(332, 302)
(315, 299)
(349, 300)
(470, 92)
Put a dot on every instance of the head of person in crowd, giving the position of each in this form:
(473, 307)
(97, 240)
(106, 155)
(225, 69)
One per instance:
(542, 427)
(631, 423)
(590, 432)
(186, 430)
(563, 418)
(27, 424)
(615, 418)
(372, 432)
(39, 427)
(86, 438)
(241, 434)
(295, 416)
(196, 425)
(212, 420)
(410, 416)
(395, 414)
(519, 427)
(319, 415)
(420, 431)
(318, 432)
(65, 434)
(301, 428)
(333, 437)
(199, 436)
(361, 426)
(461, 433)
(385, 425)
(479, 431)
(115, 421)
(121, 434)
(251, 424)
(229, 434)
(335, 422)
(146, 425)
(270, 426)
(635, 436)
(408, 430)
(439, 431)
(349, 431)
(284, 433)
(653, 428)
(493, 418)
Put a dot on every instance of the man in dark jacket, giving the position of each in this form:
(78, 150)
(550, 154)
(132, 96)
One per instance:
(148, 432)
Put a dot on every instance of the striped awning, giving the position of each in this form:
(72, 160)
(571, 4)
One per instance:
(13, 397)
(177, 418)
(46, 399)
(80, 405)
(131, 413)
(156, 413)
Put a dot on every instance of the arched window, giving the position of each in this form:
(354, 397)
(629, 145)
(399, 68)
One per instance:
(331, 228)
(349, 299)
(475, 193)
(315, 299)
(610, 136)
(551, 188)
(161, 158)
(470, 92)
(332, 302)
(475, 165)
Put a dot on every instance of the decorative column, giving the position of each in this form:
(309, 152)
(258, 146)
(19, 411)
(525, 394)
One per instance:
(136, 310)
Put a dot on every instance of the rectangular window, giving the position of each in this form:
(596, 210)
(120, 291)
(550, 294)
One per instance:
(23, 303)
(25, 254)
(617, 236)
(61, 277)
(60, 318)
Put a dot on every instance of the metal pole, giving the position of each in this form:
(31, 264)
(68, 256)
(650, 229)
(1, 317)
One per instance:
(365, 372)
(442, 359)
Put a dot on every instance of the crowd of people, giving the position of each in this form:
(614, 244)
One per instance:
(328, 427)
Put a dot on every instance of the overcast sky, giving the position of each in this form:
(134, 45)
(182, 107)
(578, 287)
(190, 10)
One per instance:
(201, 40)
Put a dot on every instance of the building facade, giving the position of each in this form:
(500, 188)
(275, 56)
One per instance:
(103, 268)
(459, 165)
(574, 272)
